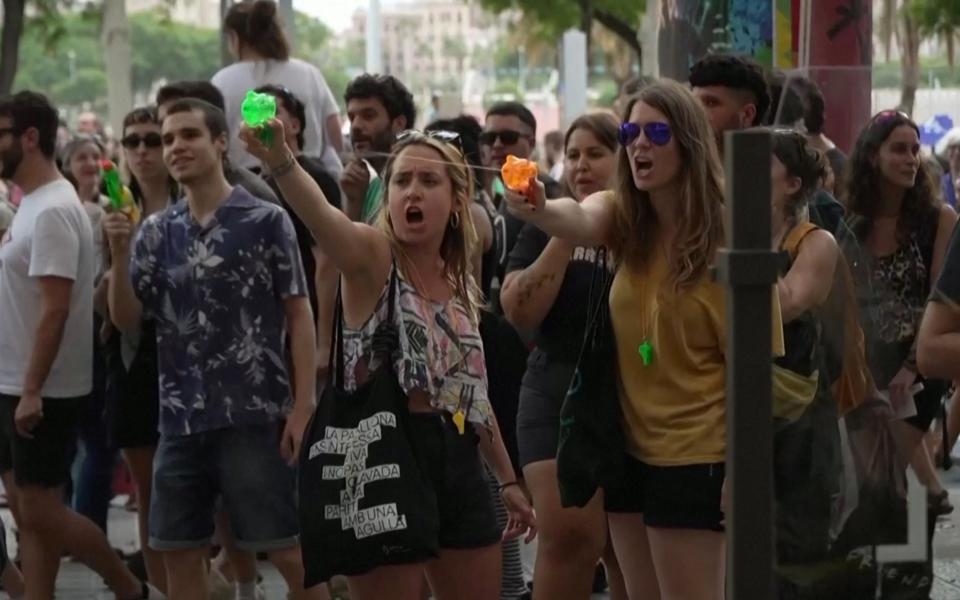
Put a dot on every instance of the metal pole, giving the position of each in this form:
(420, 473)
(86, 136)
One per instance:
(749, 268)
(374, 52)
(574, 97)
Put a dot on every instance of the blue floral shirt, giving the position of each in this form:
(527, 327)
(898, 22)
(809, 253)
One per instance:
(216, 294)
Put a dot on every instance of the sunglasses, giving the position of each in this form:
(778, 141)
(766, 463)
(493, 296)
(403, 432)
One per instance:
(11, 130)
(451, 138)
(886, 115)
(150, 140)
(657, 133)
(507, 137)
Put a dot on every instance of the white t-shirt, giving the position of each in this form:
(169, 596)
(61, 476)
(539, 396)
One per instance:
(305, 82)
(50, 236)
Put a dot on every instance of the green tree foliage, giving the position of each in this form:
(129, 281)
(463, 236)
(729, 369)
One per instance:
(550, 18)
(939, 19)
(69, 66)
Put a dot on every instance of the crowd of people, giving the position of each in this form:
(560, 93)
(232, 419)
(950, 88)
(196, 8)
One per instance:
(554, 358)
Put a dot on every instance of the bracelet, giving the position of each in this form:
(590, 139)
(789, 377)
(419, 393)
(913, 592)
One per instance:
(285, 168)
(504, 486)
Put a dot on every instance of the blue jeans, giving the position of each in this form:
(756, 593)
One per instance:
(241, 465)
(93, 475)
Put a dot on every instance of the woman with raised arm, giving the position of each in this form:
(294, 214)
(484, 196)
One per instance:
(662, 223)
(806, 443)
(426, 238)
(545, 291)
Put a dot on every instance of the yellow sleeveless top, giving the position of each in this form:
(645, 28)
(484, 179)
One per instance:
(674, 407)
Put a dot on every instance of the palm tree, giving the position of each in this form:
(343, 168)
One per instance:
(907, 23)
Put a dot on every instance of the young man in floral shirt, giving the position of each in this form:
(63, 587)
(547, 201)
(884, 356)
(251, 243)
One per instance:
(221, 274)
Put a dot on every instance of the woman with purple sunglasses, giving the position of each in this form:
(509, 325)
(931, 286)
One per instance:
(663, 225)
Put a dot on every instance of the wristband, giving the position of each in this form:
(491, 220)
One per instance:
(504, 486)
(284, 168)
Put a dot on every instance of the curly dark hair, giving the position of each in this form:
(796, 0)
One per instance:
(390, 91)
(800, 160)
(735, 72)
(861, 188)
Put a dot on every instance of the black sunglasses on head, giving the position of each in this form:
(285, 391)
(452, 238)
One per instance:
(507, 137)
(133, 141)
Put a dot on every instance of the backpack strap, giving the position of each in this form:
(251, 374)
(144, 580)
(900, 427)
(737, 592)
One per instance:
(791, 243)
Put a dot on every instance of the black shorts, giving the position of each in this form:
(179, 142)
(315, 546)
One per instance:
(683, 497)
(928, 403)
(133, 395)
(45, 459)
(542, 393)
(452, 463)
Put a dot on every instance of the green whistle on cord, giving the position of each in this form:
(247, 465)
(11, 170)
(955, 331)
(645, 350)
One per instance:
(257, 110)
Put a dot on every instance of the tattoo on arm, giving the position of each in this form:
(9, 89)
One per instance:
(527, 288)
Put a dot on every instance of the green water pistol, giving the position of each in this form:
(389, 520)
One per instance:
(257, 109)
(121, 199)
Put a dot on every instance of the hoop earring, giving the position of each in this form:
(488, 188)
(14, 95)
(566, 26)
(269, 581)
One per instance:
(455, 220)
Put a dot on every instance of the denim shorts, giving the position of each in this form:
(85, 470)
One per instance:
(542, 393)
(241, 465)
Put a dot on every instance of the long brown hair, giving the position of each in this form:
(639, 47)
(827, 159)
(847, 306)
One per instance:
(258, 27)
(862, 183)
(460, 241)
(699, 210)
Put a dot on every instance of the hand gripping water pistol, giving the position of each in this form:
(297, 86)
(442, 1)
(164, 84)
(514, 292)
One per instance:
(256, 110)
(516, 173)
(121, 199)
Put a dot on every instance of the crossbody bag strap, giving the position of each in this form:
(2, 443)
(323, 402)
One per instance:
(336, 360)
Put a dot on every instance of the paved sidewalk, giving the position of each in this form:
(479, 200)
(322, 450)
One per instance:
(76, 582)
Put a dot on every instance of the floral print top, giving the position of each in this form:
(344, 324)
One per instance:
(216, 293)
(440, 353)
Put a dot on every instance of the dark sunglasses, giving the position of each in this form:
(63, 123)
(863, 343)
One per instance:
(657, 133)
(507, 137)
(11, 130)
(150, 140)
(442, 135)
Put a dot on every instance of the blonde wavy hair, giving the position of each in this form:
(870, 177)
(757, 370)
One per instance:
(699, 210)
(460, 241)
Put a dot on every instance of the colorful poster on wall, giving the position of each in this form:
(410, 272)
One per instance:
(783, 39)
(691, 29)
(750, 30)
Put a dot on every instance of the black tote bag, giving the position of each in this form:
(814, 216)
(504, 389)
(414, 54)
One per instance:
(591, 447)
(364, 498)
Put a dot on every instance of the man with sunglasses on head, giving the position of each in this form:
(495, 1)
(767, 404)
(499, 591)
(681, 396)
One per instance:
(379, 107)
(47, 270)
(509, 129)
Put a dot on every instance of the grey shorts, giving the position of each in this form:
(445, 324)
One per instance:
(243, 466)
(542, 393)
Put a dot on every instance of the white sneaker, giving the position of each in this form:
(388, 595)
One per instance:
(154, 594)
(218, 588)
